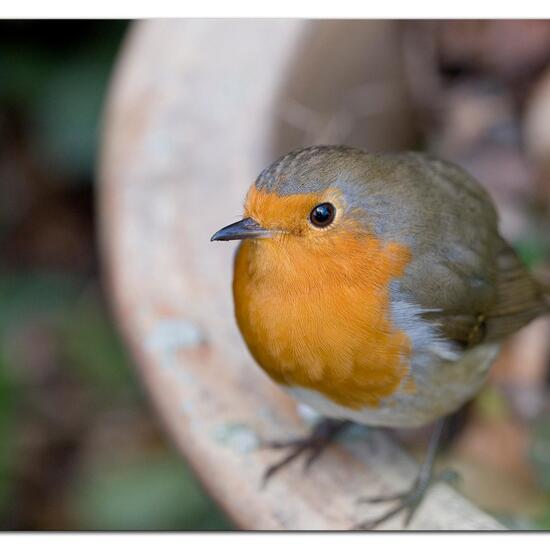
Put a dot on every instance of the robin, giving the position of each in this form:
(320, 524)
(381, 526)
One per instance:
(376, 289)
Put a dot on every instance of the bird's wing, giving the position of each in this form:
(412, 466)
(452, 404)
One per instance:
(468, 280)
(518, 299)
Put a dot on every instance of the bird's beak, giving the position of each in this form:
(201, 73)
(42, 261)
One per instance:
(245, 229)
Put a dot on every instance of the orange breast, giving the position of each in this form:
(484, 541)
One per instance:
(319, 318)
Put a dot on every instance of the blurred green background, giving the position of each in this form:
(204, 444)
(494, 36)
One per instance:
(80, 447)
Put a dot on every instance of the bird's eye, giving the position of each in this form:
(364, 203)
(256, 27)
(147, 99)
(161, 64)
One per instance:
(322, 215)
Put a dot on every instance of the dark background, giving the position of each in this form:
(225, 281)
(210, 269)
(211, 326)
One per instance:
(80, 447)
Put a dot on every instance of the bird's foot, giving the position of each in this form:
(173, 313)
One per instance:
(312, 446)
(407, 501)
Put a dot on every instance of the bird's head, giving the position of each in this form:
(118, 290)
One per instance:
(308, 195)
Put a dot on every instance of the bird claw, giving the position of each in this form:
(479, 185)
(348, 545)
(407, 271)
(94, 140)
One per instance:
(274, 468)
(408, 501)
(381, 499)
(312, 446)
(446, 476)
(272, 444)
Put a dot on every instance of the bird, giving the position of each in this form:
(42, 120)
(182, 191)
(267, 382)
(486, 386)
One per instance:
(375, 288)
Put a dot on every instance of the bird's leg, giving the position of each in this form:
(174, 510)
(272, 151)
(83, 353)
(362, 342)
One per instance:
(312, 446)
(411, 499)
